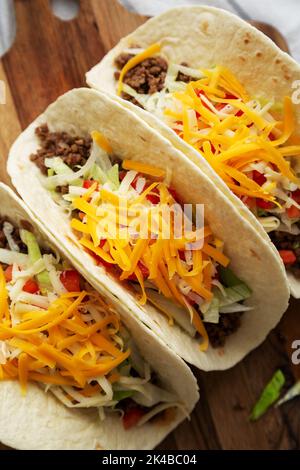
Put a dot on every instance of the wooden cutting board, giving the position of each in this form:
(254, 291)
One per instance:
(49, 57)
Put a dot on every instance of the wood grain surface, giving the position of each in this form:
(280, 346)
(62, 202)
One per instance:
(50, 56)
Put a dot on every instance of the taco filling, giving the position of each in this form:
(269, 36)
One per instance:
(56, 331)
(186, 276)
(251, 142)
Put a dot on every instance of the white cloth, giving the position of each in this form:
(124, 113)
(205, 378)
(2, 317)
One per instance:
(283, 14)
(7, 25)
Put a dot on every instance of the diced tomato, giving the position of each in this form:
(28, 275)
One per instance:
(288, 256)
(153, 198)
(31, 287)
(132, 417)
(181, 255)
(144, 271)
(150, 197)
(272, 136)
(259, 178)
(134, 182)
(293, 212)
(88, 183)
(99, 260)
(220, 106)
(122, 175)
(250, 202)
(8, 273)
(266, 205)
(230, 97)
(102, 243)
(240, 113)
(71, 280)
(296, 196)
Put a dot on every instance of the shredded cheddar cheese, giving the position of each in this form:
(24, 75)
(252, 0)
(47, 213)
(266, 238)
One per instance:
(154, 254)
(232, 132)
(56, 346)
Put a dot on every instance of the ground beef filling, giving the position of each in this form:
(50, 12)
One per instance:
(74, 151)
(228, 324)
(287, 241)
(148, 77)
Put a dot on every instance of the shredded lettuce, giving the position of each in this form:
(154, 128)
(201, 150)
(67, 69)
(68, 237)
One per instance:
(97, 174)
(122, 394)
(228, 278)
(57, 165)
(269, 396)
(34, 254)
(68, 175)
(233, 294)
(113, 177)
(171, 310)
(211, 315)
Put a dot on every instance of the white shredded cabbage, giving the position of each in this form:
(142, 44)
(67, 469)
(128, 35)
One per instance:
(54, 275)
(158, 409)
(269, 223)
(33, 270)
(12, 257)
(140, 185)
(33, 299)
(4, 352)
(8, 230)
(152, 395)
(126, 182)
(106, 387)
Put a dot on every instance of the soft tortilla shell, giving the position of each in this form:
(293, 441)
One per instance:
(80, 112)
(204, 36)
(40, 421)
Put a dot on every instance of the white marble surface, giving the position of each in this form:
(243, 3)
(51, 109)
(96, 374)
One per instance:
(284, 14)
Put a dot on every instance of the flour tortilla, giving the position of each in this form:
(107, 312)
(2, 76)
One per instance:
(204, 36)
(40, 421)
(81, 111)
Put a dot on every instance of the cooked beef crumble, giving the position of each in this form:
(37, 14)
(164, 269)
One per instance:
(147, 77)
(74, 151)
(15, 235)
(228, 324)
(287, 241)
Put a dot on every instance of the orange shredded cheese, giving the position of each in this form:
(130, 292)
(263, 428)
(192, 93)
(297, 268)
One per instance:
(156, 253)
(45, 340)
(229, 142)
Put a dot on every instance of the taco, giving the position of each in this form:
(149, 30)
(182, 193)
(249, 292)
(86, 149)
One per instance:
(222, 93)
(212, 293)
(75, 372)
